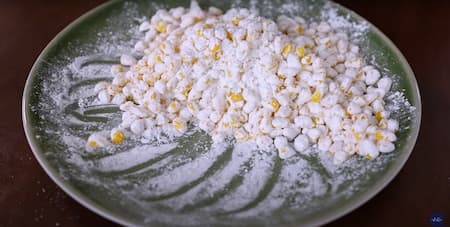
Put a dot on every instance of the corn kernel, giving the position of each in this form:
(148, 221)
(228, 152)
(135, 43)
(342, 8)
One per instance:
(287, 49)
(208, 26)
(275, 104)
(307, 60)
(229, 35)
(178, 124)
(299, 29)
(153, 95)
(236, 97)
(379, 135)
(378, 116)
(117, 137)
(357, 136)
(173, 105)
(199, 33)
(235, 21)
(215, 48)
(157, 58)
(161, 27)
(316, 96)
(301, 51)
(218, 54)
(281, 76)
(93, 144)
(191, 106)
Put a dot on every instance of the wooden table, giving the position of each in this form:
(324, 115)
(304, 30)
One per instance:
(421, 30)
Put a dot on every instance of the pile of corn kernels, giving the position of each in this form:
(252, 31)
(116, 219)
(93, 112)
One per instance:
(238, 75)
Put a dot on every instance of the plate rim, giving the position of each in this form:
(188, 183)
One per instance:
(93, 206)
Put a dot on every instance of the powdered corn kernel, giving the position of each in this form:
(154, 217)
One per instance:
(215, 48)
(287, 49)
(93, 144)
(316, 96)
(178, 124)
(229, 35)
(235, 21)
(236, 97)
(275, 104)
(378, 116)
(118, 137)
(307, 60)
(187, 47)
(161, 27)
(208, 26)
(301, 52)
(379, 135)
(157, 58)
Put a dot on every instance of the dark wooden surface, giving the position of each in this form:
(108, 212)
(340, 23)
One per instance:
(420, 29)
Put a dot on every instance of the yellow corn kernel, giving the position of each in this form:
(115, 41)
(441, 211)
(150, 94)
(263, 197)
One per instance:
(328, 44)
(281, 76)
(118, 137)
(235, 21)
(369, 156)
(275, 104)
(229, 35)
(378, 116)
(348, 115)
(357, 136)
(316, 96)
(178, 124)
(120, 68)
(208, 26)
(173, 105)
(185, 92)
(194, 60)
(299, 29)
(301, 51)
(379, 135)
(161, 27)
(218, 54)
(307, 60)
(157, 58)
(236, 97)
(93, 143)
(153, 95)
(215, 48)
(199, 33)
(316, 120)
(191, 106)
(197, 19)
(287, 49)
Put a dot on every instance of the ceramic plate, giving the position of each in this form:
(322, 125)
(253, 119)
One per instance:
(186, 181)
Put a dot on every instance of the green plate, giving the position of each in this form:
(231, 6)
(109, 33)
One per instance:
(184, 181)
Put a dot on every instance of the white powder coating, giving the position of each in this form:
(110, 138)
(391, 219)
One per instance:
(133, 157)
(244, 76)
